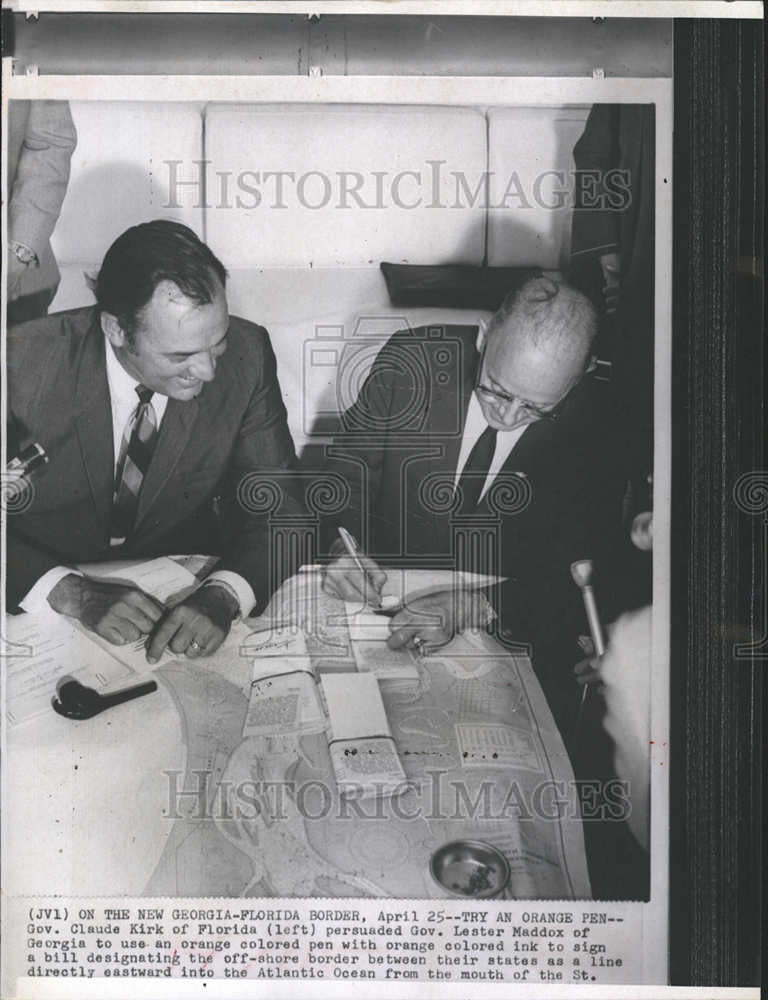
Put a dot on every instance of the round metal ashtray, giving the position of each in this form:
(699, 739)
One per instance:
(470, 868)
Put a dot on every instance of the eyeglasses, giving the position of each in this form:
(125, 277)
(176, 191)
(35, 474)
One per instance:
(499, 396)
(494, 395)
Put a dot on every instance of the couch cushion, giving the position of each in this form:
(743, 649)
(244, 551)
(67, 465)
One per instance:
(323, 322)
(121, 174)
(530, 158)
(321, 217)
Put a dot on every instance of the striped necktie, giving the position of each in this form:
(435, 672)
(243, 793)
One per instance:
(139, 439)
(475, 471)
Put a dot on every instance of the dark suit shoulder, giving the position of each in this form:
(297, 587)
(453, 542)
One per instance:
(423, 344)
(249, 359)
(594, 397)
(245, 328)
(69, 323)
(588, 427)
(436, 332)
(247, 340)
(49, 343)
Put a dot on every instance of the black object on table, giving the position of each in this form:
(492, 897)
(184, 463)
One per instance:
(76, 701)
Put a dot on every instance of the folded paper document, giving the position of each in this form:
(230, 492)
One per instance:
(404, 585)
(40, 650)
(284, 696)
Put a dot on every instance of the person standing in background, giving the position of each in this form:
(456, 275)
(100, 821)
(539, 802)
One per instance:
(612, 258)
(41, 141)
(624, 676)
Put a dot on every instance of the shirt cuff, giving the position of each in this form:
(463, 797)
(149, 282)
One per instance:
(35, 600)
(243, 590)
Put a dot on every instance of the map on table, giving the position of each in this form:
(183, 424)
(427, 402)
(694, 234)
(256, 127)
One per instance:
(187, 803)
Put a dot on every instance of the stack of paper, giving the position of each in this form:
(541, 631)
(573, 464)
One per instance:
(39, 652)
(394, 669)
(284, 697)
(363, 752)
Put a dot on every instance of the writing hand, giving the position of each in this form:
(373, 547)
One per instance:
(343, 579)
(117, 612)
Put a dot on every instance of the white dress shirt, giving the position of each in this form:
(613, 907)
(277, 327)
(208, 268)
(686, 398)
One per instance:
(123, 400)
(474, 426)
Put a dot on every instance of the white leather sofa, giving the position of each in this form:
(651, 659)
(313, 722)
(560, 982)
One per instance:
(360, 184)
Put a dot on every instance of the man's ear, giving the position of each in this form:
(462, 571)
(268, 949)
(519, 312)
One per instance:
(112, 330)
(482, 333)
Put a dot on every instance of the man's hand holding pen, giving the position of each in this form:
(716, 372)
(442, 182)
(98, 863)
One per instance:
(426, 623)
(358, 581)
(122, 613)
(353, 576)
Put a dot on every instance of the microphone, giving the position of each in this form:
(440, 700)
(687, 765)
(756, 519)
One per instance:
(581, 571)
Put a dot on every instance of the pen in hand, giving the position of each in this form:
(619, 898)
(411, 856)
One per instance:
(353, 551)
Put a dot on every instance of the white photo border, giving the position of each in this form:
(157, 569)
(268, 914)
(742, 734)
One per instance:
(457, 91)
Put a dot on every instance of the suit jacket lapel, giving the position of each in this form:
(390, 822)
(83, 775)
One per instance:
(93, 421)
(174, 434)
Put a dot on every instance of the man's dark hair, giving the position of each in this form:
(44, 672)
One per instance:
(147, 254)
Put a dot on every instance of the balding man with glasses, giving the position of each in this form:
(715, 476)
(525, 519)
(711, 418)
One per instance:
(488, 449)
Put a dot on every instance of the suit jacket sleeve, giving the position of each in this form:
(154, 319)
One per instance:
(42, 174)
(26, 560)
(263, 484)
(26, 563)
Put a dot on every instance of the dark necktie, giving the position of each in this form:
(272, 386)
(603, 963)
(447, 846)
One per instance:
(475, 471)
(139, 439)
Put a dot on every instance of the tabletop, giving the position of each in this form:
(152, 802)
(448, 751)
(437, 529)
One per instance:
(165, 795)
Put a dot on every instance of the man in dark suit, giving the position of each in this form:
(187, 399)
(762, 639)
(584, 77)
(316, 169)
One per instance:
(491, 452)
(152, 406)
